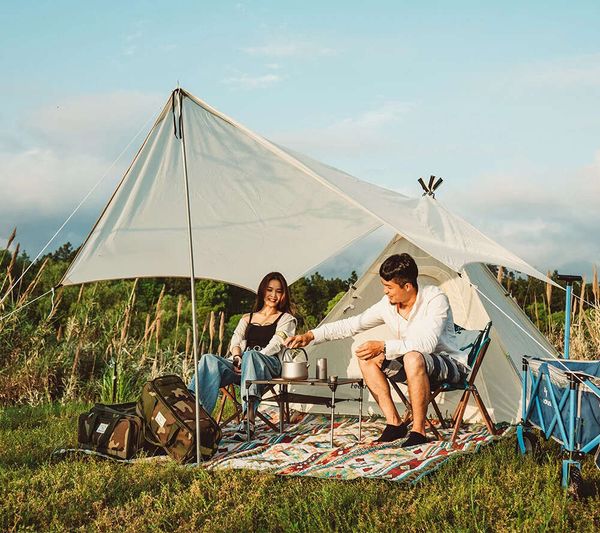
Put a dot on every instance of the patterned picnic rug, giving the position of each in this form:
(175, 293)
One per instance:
(303, 450)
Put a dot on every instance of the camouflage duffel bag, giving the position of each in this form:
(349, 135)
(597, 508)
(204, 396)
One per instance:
(114, 430)
(168, 409)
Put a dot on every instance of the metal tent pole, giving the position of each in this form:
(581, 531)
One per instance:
(569, 279)
(568, 299)
(192, 271)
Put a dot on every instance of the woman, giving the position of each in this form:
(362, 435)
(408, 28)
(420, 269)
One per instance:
(255, 348)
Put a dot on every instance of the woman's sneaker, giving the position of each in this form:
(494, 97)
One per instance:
(241, 433)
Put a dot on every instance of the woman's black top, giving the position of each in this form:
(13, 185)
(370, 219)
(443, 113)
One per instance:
(257, 335)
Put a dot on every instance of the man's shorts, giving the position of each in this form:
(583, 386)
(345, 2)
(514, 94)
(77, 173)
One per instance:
(440, 368)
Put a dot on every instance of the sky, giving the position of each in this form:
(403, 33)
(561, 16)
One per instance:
(502, 101)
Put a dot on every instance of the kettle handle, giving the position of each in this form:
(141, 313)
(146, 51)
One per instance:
(290, 351)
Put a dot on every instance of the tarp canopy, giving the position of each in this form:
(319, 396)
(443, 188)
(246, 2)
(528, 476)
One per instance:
(255, 207)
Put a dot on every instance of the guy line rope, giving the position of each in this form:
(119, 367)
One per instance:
(102, 178)
(553, 356)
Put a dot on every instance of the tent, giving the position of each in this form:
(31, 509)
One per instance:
(207, 198)
(475, 297)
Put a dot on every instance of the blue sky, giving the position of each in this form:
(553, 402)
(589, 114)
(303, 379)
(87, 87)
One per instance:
(501, 100)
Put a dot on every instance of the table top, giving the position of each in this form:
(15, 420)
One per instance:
(317, 382)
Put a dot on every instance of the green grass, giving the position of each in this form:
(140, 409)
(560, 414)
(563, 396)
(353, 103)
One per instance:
(492, 490)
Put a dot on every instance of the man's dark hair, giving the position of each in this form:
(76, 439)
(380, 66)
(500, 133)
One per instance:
(401, 268)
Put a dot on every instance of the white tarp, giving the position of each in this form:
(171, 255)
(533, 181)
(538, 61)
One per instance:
(255, 208)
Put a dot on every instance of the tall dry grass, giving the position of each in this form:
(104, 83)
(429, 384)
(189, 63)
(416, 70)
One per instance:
(585, 325)
(62, 348)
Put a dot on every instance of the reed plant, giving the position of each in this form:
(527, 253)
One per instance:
(60, 347)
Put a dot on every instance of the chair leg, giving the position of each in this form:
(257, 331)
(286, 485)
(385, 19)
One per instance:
(221, 408)
(266, 421)
(460, 413)
(460, 402)
(281, 405)
(228, 393)
(237, 405)
(433, 429)
(438, 413)
(484, 412)
(223, 423)
(407, 419)
(402, 396)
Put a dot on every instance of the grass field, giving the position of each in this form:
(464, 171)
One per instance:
(492, 490)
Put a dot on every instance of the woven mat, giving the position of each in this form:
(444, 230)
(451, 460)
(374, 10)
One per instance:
(303, 450)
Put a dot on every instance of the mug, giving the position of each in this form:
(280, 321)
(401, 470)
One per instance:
(322, 368)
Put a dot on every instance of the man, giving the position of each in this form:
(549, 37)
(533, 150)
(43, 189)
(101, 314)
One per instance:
(422, 350)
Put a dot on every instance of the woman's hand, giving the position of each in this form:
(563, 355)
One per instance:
(237, 364)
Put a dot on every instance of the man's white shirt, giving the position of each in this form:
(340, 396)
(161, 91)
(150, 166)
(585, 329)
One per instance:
(428, 328)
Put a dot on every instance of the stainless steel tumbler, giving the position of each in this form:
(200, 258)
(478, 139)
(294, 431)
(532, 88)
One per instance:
(322, 368)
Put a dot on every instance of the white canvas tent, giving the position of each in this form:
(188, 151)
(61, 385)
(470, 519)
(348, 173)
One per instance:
(498, 380)
(207, 198)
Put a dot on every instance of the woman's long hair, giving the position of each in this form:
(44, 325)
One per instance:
(285, 305)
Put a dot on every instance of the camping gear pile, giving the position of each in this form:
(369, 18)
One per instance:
(163, 420)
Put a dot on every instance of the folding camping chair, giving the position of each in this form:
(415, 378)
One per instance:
(228, 393)
(477, 343)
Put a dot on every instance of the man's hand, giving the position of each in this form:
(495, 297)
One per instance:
(369, 349)
(299, 341)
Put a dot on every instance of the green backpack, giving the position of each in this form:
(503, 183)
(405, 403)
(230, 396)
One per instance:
(168, 409)
(114, 430)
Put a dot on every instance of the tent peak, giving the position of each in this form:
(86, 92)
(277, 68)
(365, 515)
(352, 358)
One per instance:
(431, 186)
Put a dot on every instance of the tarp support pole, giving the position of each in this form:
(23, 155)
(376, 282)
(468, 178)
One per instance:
(568, 299)
(192, 270)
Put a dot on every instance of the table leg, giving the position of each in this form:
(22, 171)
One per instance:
(332, 417)
(249, 407)
(360, 406)
(282, 390)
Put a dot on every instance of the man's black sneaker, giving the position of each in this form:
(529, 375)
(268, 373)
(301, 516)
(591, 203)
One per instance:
(392, 433)
(414, 439)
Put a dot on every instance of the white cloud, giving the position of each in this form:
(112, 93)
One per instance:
(366, 132)
(93, 124)
(566, 72)
(39, 182)
(289, 49)
(549, 225)
(245, 81)
(133, 39)
(64, 149)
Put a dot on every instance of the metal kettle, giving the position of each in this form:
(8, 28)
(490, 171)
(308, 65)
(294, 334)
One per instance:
(291, 368)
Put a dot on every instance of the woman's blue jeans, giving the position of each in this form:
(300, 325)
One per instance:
(215, 372)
